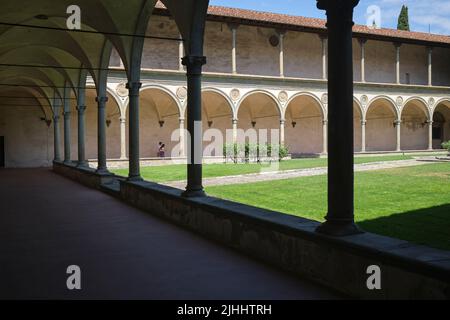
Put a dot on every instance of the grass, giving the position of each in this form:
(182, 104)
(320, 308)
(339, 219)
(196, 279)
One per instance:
(407, 203)
(178, 172)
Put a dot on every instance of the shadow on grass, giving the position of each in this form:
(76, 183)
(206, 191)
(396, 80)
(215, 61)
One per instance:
(428, 226)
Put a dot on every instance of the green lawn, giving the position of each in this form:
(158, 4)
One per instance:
(178, 172)
(407, 203)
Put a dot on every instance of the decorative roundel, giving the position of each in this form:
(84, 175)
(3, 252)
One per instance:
(431, 102)
(325, 98)
(283, 96)
(122, 90)
(399, 101)
(364, 100)
(181, 93)
(235, 94)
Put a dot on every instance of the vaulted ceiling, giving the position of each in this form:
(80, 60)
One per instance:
(39, 55)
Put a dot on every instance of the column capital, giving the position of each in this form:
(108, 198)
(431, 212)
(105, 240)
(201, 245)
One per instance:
(397, 122)
(123, 120)
(194, 64)
(282, 122)
(133, 88)
(56, 118)
(430, 49)
(81, 109)
(397, 44)
(430, 122)
(323, 36)
(102, 100)
(233, 26)
(281, 32)
(234, 121)
(182, 120)
(66, 114)
(362, 41)
(363, 122)
(324, 122)
(339, 12)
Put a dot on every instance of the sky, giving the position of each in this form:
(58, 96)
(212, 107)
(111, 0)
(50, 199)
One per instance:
(423, 14)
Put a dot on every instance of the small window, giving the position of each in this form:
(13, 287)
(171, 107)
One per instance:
(408, 78)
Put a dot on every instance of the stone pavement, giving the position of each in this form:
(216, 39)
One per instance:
(48, 222)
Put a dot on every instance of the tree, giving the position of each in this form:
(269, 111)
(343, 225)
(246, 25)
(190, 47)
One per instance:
(403, 19)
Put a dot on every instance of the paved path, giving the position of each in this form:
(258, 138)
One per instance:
(289, 174)
(48, 223)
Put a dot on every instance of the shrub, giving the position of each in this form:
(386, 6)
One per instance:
(446, 145)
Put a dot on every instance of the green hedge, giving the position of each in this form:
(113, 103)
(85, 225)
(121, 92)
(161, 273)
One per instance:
(253, 151)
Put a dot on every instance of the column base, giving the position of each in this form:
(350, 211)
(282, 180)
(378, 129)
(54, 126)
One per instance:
(82, 164)
(135, 179)
(102, 171)
(338, 229)
(193, 193)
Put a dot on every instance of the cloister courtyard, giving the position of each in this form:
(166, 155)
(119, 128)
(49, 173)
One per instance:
(181, 150)
(409, 202)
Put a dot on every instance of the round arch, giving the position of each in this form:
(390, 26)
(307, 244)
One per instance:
(414, 128)
(441, 122)
(304, 115)
(263, 93)
(259, 110)
(160, 114)
(380, 117)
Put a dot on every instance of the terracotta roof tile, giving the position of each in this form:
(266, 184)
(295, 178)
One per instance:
(319, 24)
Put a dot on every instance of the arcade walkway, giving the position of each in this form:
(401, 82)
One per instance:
(48, 223)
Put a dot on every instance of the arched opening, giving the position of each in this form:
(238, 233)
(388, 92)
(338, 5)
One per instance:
(159, 118)
(217, 113)
(441, 124)
(380, 128)
(259, 111)
(357, 124)
(26, 130)
(414, 127)
(112, 113)
(304, 126)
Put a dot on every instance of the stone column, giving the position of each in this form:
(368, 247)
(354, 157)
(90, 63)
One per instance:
(180, 54)
(67, 137)
(281, 34)
(398, 129)
(363, 135)
(182, 139)
(123, 138)
(233, 27)
(430, 135)
(430, 66)
(133, 135)
(324, 40)
(81, 136)
(325, 136)
(57, 136)
(340, 216)
(362, 42)
(282, 124)
(194, 66)
(101, 134)
(235, 128)
(397, 62)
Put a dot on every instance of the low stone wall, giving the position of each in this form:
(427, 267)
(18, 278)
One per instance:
(84, 175)
(408, 271)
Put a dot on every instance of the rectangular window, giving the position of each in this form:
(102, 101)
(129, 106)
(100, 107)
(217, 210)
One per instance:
(437, 133)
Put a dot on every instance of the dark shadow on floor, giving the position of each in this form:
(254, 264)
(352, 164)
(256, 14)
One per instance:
(428, 226)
